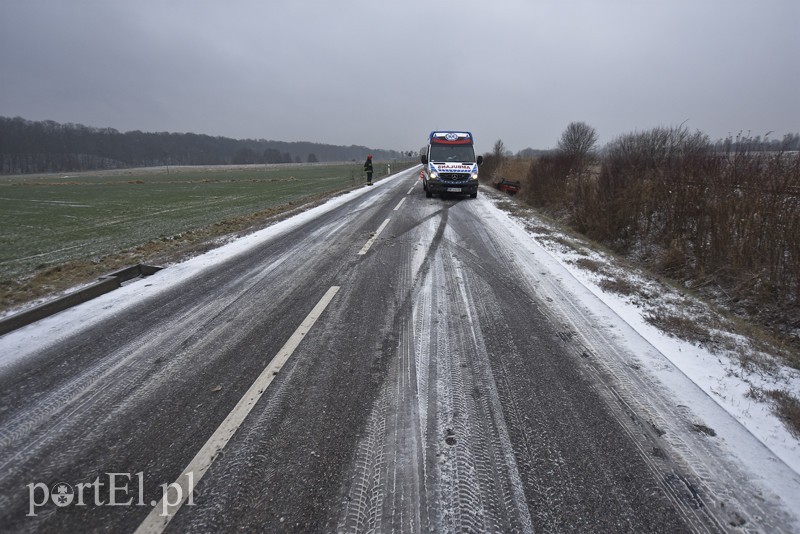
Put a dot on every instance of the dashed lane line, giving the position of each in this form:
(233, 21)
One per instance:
(372, 239)
(179, 491)
(399, 204)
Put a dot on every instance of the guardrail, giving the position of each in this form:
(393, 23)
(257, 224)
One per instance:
(105, 284)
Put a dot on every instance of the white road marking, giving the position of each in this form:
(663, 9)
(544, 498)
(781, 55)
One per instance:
(163, 512)
(399, 204)
(410, 190)
(372, 239)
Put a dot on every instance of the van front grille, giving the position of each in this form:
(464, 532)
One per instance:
(455, 176)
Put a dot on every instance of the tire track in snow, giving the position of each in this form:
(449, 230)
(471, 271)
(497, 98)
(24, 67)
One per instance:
(500, 501)
(437, 423)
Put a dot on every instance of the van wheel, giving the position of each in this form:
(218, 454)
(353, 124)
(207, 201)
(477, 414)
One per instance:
(428, 193)
(473, 195)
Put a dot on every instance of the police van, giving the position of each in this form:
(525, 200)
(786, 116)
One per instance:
(449, 164)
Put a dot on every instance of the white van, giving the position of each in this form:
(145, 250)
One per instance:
(449, 164)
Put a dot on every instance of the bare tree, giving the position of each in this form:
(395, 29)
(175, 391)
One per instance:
(499, 150)
(578, 140)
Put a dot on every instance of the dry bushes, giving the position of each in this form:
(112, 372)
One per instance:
(728, 221)
(546, 181)
(788, 408)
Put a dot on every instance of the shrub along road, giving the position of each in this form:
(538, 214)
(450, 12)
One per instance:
(393, 363)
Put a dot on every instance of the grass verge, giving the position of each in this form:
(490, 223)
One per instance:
(66, 231)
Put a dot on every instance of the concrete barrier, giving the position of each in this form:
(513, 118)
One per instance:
(104, 285)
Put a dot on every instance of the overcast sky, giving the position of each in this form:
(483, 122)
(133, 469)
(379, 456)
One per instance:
(383, 74)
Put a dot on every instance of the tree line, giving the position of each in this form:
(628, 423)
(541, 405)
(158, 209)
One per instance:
(47, 146)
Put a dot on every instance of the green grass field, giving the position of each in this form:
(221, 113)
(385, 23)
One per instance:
(51, 219)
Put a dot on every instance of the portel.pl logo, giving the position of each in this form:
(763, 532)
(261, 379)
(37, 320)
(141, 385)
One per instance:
(114, 490)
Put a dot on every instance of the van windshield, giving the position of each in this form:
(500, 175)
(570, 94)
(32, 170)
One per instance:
(451, 153)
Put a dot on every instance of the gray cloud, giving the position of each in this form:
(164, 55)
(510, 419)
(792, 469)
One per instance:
(384, 74)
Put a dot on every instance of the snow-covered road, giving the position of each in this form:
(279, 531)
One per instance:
(461, 376)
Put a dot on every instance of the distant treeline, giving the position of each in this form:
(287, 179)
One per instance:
(47, 146)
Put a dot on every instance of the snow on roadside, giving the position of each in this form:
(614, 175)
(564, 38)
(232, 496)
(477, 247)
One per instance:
(716, 369)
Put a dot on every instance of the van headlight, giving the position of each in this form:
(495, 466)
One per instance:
(434, 175)
(474, 176)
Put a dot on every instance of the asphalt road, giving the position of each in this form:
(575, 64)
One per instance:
(393, 364)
